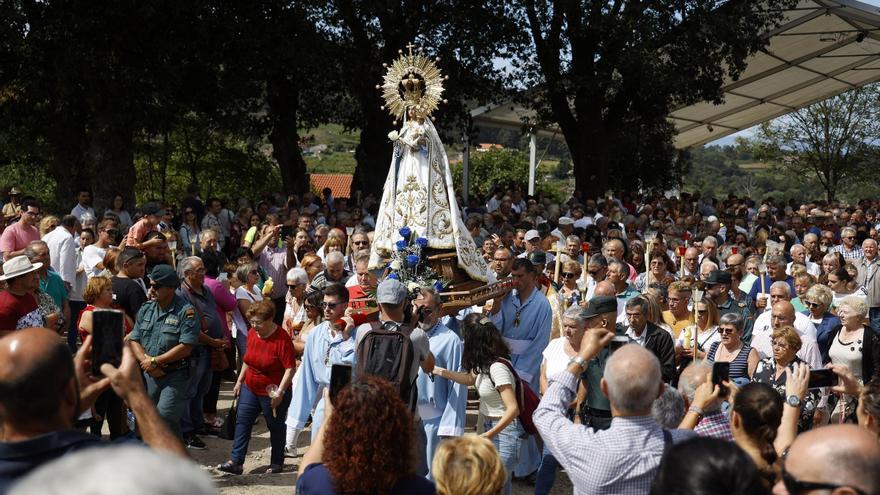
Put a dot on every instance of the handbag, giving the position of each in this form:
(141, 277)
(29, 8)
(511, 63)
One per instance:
(227, 430)
(219, 359)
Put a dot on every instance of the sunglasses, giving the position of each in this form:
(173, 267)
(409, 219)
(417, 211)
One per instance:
(568, 275)
(794, 485)
(850, 237)
(360, 243)
(726, 331)
(291, 287)
(309, 306)
(330, 306)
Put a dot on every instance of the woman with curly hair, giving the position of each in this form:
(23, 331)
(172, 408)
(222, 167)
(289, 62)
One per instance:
(483, 351)
(358, 448)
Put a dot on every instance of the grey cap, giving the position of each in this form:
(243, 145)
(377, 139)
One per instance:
(532, 234)
(390, 291)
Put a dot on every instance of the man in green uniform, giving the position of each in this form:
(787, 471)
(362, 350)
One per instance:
(718, 288)
(163, 337)
(601, 312)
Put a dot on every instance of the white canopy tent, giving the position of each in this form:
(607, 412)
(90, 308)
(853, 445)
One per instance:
(821, 49)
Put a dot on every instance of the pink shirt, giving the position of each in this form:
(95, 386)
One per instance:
(223, 299)
(16, 237)
(137, 232)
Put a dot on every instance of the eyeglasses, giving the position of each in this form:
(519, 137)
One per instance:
(330, 306)
(360, 243)
(733, 265)
(793, 485)
(568, 275)
(726, 331)
(850, 237)
(291, 287)
(780, 345)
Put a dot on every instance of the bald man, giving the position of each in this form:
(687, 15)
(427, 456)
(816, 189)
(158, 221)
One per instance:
(691, 263)
(625, 457)
(841, 459)
(869, 279)
(42, 393)
(780, 315)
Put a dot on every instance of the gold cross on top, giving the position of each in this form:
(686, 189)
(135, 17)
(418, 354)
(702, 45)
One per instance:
(410, 46)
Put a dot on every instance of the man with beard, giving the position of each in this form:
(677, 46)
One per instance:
(42, 392)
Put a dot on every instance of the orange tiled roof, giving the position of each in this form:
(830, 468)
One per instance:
(340, 184)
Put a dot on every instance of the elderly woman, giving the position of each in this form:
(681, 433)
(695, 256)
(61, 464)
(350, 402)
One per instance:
(363, 445)
(312, 264)
(773, 371)
(707, 324)
(294, 310)
(263, 386)
(818, 301)
(856, 346)
(802, 283)
(843, 282)
(246, 294)
(742, 357)
(558, 353)
(455, 467)
(658, 273)
(98, 294)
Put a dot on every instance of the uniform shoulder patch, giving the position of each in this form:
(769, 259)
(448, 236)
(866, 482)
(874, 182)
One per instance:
(190, 312)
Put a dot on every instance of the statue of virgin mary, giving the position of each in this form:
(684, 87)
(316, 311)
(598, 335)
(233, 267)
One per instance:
(418, 192)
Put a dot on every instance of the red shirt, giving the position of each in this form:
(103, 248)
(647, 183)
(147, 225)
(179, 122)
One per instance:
(267, 359)
(126, 324)
(13, 308)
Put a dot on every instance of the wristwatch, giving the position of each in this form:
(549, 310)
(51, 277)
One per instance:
(581, 362)
(793, 401)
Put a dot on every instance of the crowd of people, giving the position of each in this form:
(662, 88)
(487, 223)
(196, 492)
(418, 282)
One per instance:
(617, 311)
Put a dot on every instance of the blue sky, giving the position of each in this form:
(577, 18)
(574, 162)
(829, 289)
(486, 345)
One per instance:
(748, 132)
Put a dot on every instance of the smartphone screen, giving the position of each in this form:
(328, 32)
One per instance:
(720, 374)
(107, 333)
(822, 378)
(340, 376)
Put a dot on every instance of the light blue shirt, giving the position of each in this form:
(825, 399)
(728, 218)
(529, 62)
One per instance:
(526, 330)
(442, 398)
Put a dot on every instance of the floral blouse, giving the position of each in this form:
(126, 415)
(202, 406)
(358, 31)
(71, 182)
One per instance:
(765, 373)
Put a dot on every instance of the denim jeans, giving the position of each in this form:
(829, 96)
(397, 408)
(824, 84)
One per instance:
(507, 442)
(250, 406)
(874, 319)
(76, 308)
(193, 418)
(546, 473)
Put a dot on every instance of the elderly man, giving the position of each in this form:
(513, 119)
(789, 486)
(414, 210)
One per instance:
(783, 314)
(334, 273)
(441, 402)
(625, 457)
(16, 237)
(51, 284)
(838, 459)
(524, 317)
(648, 335)
(360, 241)
(868, 279)
(615, 249)
(692, 263)
(165, 332)
(709, 249)
(713, 421)
(210, 337)
(39, 426)
(531, 242)
(799, 255)
(849, 249)
(617, 275)
(678, 316)
(775, 273)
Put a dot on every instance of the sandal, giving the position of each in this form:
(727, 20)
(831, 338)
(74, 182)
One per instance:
(230, 467)
(274, 469)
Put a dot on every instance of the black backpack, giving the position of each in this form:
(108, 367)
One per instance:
(386, 351)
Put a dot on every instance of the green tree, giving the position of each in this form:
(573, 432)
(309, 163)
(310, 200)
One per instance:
(831, 142)
(609, 73)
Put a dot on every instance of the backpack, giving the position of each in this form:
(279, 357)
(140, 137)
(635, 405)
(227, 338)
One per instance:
(388, 353)
(526, 399)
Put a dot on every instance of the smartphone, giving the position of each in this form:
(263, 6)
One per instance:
(721, 374)
(822, 378)
(340, 376)
(617, 342)
(107, 334)
(286, 231)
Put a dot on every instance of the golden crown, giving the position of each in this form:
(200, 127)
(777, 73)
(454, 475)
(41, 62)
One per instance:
(413, 81)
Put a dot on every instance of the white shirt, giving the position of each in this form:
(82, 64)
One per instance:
(809, 352)
(91, 256)
(79, 210)
(62, 253)
(240, 326)
(555, 358)
(812, 268)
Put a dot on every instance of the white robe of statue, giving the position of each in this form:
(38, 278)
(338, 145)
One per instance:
(418, 194)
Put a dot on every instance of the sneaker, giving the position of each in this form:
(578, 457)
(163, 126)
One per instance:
(208, 431)
(194, 442)
(230, 467)
(289, 451)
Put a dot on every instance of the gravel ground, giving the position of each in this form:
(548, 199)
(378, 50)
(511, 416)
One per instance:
(254, 481)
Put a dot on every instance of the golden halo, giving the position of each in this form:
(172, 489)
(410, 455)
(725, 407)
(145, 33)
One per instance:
(411, 67)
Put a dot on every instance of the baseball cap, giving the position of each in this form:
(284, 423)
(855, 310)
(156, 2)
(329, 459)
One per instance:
(537, 257)
(164, 276)
(532, 234)
(718, 277)
(390, 291)
(600, 305)
(565, 221)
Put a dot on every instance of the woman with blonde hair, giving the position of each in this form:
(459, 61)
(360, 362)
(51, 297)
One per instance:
(48, 224)
(468, 465)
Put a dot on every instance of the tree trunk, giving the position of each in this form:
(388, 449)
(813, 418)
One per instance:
(111, 156)
(283, 102)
